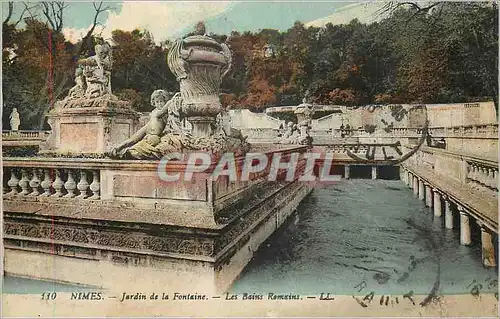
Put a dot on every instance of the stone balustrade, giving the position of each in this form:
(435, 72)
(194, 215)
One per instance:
(23, 135)
(488, 133)
(343, 148)
(52, 182)
(482, 175)
(469, 131)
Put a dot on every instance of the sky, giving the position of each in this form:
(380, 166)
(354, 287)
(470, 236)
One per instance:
(171, 19)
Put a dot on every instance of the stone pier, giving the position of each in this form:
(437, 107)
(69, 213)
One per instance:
(421, 190)
(428, 195)
(448, 214)
(374, 172)
(437, 204)
(465, 234)
(347, 171)
(488, 250)
(415, 185)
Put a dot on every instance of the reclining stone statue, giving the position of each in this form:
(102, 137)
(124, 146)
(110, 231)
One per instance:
(160, 136)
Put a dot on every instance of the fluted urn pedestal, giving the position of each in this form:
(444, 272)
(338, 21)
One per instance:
(199, 63)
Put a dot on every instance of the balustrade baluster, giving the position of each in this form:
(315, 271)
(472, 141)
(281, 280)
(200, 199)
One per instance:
(70, 185)
(482, 175)
(487, 179)
(46, 183)
(24, 183)
(83, 185)
(477, 176)
(13, 183)
(470, 173)
(35, 183)
(475, 173)
(495, 179)
(58, 185)
(95, 187)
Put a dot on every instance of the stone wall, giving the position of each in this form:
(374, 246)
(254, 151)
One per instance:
(439, 115)
(246, 119)
(457, 114)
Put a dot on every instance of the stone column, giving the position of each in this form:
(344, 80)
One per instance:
(488, 250)
(448, 215)
(437, 203)
(421, 191)
(347, 171)
(415, 185)
(428, 195)
(465, 237)
(374, 172)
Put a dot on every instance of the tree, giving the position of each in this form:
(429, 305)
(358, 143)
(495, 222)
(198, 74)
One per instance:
(139, 65)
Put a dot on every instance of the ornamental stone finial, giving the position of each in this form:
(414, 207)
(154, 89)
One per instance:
(199, 63)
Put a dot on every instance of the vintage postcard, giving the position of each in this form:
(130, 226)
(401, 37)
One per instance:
(249, 159)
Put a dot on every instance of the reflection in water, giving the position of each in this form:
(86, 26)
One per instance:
(17, 285)
(360, 236)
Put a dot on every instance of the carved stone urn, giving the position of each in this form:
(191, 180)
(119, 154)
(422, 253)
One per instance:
(199, 63)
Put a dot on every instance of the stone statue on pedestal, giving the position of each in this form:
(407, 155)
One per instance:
(287, 133)
(304, 137)
(93, 82)
(107, 119)
(15, 120)
(299, 133)
(97, 71)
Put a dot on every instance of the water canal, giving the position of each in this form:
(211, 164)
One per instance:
(365, 233)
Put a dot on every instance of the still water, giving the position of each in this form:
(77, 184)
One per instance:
(359, 233)
(365, 233)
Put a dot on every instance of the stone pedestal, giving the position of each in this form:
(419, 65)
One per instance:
(437, 204)
(202, 125)
(448, 217)
(488, 250)
(465, 234)
(347, 171)
(89, 130)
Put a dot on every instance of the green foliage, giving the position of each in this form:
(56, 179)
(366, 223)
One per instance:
(447, 54)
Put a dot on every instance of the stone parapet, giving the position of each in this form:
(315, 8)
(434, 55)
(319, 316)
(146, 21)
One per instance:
(119, 220)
